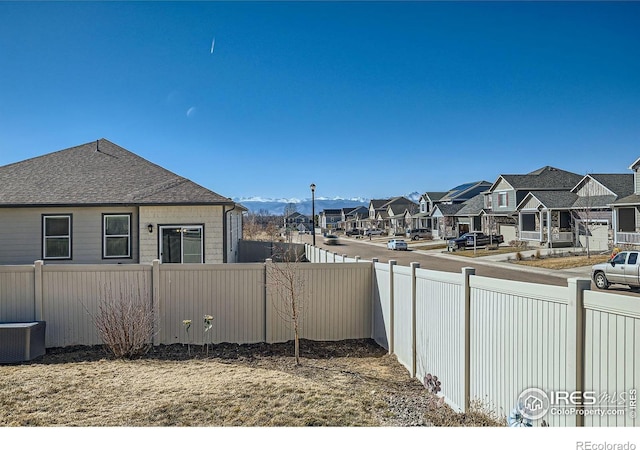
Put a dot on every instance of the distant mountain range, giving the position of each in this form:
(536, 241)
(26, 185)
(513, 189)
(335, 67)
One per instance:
(279, 206)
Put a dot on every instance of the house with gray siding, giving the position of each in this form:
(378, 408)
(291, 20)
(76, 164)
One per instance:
(592, 210)
(502, 199)
(98, 203)
(626, 213)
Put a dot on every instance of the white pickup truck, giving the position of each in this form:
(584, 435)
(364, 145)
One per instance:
(624, 268)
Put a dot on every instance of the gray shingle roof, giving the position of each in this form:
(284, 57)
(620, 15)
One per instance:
(544, 178)
(97, 173)
(449, 209)
(595, 201)
(472, 207)
(633, 199)
(555, 199)
(619, 183)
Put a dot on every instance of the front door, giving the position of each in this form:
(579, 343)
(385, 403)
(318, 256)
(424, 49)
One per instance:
(181, 244)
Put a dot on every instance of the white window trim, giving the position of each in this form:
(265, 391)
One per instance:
(506, 196)
(104, 236)
(45, 237)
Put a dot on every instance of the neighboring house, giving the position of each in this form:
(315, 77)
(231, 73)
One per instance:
(456, 195)
(464, 192)
(98, 203)
(626, 213)
(376, 212)
(544, 218)
(297, 221)
(469, 216)
(330, 219)
(592, 210)
(427, 201)
(445, 222)
(574, 214)
(399, 211)
(502, 199)
(354, 217)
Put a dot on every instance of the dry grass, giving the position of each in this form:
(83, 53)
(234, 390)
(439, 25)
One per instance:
(338, 384)
(564, 262)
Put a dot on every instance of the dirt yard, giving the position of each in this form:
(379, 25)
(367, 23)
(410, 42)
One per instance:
(346, 383)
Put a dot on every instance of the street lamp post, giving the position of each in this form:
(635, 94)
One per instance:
(313, 213)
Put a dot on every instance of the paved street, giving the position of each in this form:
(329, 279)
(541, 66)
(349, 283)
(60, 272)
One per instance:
(439, 259)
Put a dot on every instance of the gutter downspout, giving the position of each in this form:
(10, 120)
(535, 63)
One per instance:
(224, 232)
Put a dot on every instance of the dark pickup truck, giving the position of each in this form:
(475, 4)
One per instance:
(477, 239)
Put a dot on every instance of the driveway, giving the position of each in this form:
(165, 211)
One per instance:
(440, 259)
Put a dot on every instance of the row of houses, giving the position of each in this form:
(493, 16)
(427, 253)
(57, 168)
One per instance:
(547, 207)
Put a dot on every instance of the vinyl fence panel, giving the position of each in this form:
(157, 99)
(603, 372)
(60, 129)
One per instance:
(612, 357)
(232, 293)
(17, 294)
(72, 294)
(440, 331)
(381, 332)
(335, 305)
(519, 341)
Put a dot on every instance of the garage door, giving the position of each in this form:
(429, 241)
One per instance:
(508, 232)
(598, 237)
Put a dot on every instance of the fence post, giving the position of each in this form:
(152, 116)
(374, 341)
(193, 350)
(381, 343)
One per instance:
(373, 295)
(155, 298)
(575, 338)
(38, 306)
(391, 306)
(413, 266)
(466, 274)
(357, 258)
(265, 322)
(344, 257)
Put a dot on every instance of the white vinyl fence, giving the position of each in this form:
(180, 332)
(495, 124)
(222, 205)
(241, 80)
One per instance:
(489, 340)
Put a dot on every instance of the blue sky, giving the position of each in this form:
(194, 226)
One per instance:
(365, 99)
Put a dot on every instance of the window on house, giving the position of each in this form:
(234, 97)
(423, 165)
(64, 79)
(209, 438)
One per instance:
(116, 236)
(181, 244)
(56, 237)
(502, 199)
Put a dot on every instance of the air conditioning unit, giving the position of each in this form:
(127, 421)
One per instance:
(21, 341)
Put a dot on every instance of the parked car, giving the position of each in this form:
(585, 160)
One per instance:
(331, 239)
(474, 238)
(623, 268)
(397, 244)
(373, 232)
(354, 232)
(419, 233)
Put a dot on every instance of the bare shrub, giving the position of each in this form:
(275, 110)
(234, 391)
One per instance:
(288, 283)
(538, 255)
(519, 256)
(125, 322)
